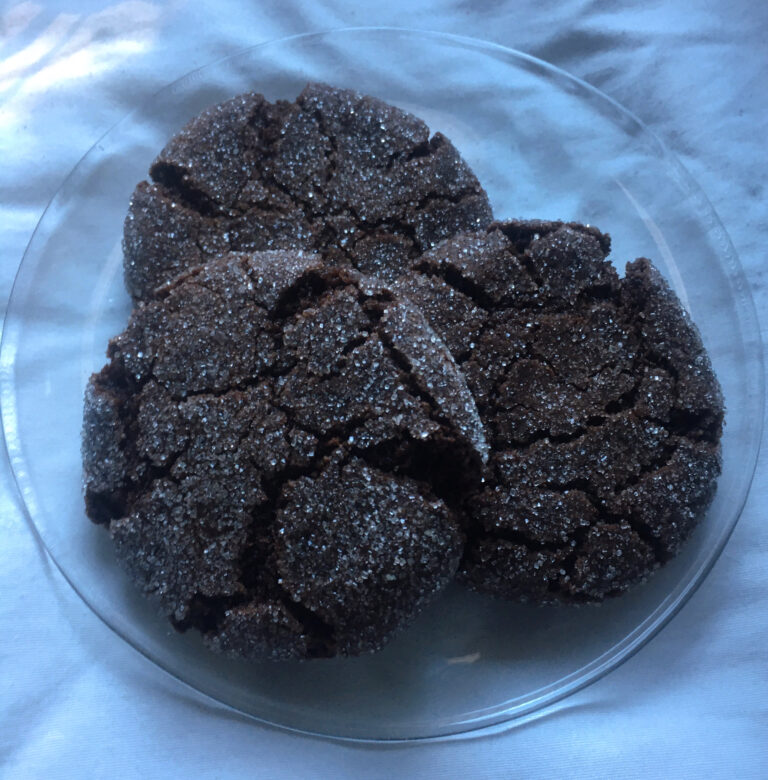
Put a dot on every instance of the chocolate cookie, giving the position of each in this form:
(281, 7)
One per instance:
(275, 446)
(334, 171)
(600, 405)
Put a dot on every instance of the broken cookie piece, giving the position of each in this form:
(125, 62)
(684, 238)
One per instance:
(600, 405)
(334, 172)
(277, 448)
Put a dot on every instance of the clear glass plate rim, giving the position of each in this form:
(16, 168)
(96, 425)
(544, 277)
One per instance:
(504, 713)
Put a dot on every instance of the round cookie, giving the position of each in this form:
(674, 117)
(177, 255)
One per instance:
(275, 446)
(334, 171)
(600, 405)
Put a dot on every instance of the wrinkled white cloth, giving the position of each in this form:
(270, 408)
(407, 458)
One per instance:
(75, 701)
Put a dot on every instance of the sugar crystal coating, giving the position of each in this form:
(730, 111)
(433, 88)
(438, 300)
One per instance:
(334, 414)
(334, 171)
(602, 411)
(340, 531)
(276, 447)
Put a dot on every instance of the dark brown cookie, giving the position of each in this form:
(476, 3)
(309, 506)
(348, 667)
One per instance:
(600, 404)
(334, 171)
(275, 446)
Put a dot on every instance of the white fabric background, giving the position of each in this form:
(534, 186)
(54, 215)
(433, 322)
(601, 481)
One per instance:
(76, 702)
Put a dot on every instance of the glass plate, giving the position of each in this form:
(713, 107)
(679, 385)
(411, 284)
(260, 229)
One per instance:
(544, 144)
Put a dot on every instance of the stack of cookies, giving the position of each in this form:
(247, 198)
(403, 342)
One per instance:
(344, 385)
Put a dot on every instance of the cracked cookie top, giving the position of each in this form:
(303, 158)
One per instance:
(276, 447)
(333, 171)
(601, 408)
